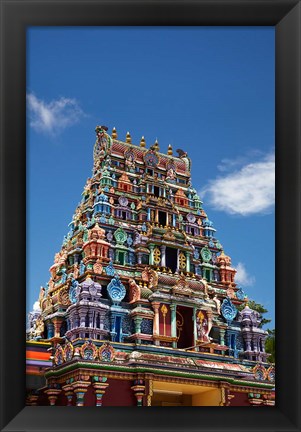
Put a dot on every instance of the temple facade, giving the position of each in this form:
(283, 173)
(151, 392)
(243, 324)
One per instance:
(142, 308)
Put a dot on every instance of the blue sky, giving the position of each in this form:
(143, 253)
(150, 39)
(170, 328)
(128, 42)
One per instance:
(206, 90)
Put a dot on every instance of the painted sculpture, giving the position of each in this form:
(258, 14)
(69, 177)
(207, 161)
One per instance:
(142, 298)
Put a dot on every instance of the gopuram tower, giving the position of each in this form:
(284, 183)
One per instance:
(142, 307)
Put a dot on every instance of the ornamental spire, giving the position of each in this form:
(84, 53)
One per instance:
(128, 138)
(142, 142)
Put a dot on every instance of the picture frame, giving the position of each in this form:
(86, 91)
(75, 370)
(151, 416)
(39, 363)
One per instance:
(16, 17)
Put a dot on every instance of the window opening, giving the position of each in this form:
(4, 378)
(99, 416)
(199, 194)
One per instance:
(171, 258)
(162, 218)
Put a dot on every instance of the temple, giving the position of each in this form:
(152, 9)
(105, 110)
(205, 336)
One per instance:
(142, 308)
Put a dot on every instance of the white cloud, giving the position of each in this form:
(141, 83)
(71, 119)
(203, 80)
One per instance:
(52, 117)
(239, 161)
(36, 306)
(242, 277)
(247, 191)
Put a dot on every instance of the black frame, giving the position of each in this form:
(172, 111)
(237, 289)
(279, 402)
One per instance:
(16, 16)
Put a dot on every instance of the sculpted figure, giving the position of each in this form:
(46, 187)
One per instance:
(205, 283)
(39, 327)
(75, 271)
(170, 174)
(135, 291)
(201, 325)
(217, 303)
(153, 279)
(130, 162)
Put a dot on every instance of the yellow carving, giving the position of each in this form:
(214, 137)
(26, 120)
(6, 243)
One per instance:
(164, 311)
(182, 261)
(157, 255)
(149, 397)
(179, 323)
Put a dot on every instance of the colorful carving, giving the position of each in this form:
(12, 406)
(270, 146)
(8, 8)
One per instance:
(68, 351)
(116, 289)
(228, 310)
(88, 351)
(260, 373)
(151, 159)
(59, 355)
(106, 353)
(169, 296)
(120, 236)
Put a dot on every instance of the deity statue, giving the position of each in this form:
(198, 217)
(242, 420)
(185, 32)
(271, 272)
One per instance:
(75, 271)
(170, 174)
(107, 164)
(39, 324)
(130, 163)
(201, 325)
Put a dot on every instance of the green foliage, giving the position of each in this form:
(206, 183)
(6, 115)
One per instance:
(270, 346)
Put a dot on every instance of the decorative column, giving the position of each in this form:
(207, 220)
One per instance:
(82, 316)
(50, 330)
(139, 388)
(32, 400)
(269, 399)
(222, 333)
(151, 255)
(68, 389)
(112, 326)
(156, 306)
(178, 264)
(173, 220)
(148, 214)
(187, 261)
(157, 216)
(137, 321)
(222, 336)
(80, 388)
(100, 385)
(163, 257)
(156, 332)
(173, 310)
(248, 342)
(225, 396)
(52, 394)
(150, 392)
(255, 399)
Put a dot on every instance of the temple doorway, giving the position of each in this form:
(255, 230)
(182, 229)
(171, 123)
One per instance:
(184, 327)
(174, 394)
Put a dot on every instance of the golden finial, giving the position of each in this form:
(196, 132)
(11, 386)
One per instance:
(142, 142)
(114, 133)
(169, 151)
(156, 145)
(128, 138)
